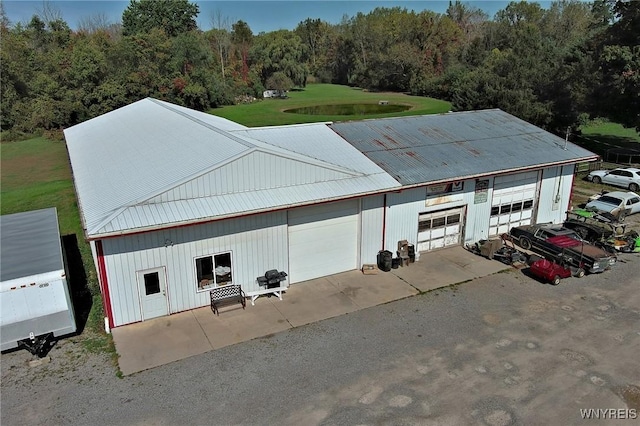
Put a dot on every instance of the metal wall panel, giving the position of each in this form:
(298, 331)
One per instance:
(478, 214)
(402, 216)
(371, 218)
(257, 243)
(404, 208)
(555, 190)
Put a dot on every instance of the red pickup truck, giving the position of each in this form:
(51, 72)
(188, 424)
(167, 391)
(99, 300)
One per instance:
(557, 242)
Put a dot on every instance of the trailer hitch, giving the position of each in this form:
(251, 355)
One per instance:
(39, 345)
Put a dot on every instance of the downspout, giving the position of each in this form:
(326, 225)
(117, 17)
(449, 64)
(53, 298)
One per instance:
(384, 220)
(104, 286)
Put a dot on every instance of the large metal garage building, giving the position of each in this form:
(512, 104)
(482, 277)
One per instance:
(175, 202)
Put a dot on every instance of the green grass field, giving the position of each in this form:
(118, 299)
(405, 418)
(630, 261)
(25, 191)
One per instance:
(269, 112)
(35, 174)
(611, 130)
(600, 136)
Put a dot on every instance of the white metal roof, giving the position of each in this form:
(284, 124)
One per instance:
(315, 140)
(124, 160)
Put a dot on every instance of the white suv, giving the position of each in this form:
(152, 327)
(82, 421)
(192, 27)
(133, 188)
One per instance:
(627, 177)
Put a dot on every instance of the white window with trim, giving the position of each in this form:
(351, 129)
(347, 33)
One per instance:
(214, 271)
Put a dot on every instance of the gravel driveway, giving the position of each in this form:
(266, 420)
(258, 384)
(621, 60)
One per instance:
(500, 350)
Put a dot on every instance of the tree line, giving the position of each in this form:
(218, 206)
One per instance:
(554, 67)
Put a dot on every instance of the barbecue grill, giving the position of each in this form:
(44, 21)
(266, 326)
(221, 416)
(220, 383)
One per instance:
(272, 278)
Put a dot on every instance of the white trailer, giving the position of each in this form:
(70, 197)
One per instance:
(35, 302)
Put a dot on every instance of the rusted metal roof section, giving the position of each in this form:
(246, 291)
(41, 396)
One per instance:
(428, 148)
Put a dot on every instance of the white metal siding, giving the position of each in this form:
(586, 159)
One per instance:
(323, 240)
(371, 218)
(255, 171)
(258, 243)
(478, 215)
(514, 201)
(401, 217)
(404, 208)
(555, 190)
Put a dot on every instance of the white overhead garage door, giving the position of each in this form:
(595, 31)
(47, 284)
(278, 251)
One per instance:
(439, 229)
(513, 201)
(323, 240)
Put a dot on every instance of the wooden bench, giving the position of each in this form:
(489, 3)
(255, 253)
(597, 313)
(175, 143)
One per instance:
(226, 295)
(277, 291)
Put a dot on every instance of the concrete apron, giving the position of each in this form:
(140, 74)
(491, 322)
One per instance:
(163, 340)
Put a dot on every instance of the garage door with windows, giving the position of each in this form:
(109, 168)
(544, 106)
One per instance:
(323, 240)
(439, 229)
(513, 201)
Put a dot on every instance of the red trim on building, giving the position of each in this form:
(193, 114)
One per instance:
(104, 285)
(570, 202)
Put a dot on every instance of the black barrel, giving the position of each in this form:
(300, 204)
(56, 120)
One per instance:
(395, 262)
(385, 260)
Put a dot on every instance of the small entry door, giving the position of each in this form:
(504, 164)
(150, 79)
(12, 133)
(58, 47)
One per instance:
(152, 285)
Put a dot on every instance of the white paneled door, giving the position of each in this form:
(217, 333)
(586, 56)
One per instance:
(323, 240)
(513, 202)
(152, 287)
(440, 229)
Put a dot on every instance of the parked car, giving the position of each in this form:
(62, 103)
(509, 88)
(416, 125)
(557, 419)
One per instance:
(625, 177)
(555, 242)
(618, 203)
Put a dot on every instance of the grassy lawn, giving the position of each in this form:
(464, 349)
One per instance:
(611, 130)
(270, 112)
(599, 136)
(35, 174)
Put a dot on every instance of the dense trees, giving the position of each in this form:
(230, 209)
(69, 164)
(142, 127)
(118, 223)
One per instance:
(173, 16)
(552, 67)
(618, 67)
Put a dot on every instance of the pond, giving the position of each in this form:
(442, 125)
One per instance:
(349, 109)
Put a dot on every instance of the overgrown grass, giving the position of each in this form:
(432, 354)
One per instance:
(35, 174)
(605, 128)
(270, 112)
(599, 136)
